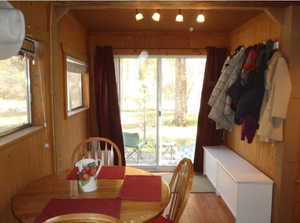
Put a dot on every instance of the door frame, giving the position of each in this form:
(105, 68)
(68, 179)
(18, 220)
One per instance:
(156, 167)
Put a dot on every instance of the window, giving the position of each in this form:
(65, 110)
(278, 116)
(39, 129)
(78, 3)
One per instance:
(77, 81)
(15, 101)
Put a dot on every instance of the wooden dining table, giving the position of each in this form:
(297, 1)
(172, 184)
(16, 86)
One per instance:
(31, 200)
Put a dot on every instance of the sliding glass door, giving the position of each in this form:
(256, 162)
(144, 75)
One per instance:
(138, 104)
(159, 100)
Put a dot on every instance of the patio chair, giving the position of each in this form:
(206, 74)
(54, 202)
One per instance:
(132, 140)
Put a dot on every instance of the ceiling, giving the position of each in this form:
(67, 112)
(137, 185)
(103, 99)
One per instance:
(110, 20)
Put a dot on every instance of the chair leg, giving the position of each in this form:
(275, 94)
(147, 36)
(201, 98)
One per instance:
(130, 154)
(139, 154)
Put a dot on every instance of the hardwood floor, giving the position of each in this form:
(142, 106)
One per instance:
(206, 208)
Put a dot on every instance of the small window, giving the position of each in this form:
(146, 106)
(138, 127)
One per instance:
(77, 81)
(15, 101)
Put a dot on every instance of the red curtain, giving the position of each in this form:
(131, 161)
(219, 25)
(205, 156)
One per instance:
(207, 135)
(106, 97)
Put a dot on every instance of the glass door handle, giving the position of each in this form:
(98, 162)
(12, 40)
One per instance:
(159, 113)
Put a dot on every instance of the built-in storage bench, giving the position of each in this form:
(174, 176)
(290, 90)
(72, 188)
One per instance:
(246, 191)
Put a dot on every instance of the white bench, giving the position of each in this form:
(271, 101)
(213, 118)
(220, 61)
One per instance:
(246, 190)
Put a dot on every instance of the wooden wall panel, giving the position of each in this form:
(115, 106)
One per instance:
(159, 40)
(69, 131)
(262, 155)
(297, 206)
(26, 159)
(278, 161)
(257, 29)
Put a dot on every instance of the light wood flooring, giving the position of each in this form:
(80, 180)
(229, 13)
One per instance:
(206, 208)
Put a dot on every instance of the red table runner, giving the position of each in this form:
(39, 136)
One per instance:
(55, 207)
(141, 188)
(106, 172)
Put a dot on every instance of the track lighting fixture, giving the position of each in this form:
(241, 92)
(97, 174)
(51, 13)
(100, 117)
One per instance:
(138, 15)
(156, 16)
(201, 18)
(179, 17)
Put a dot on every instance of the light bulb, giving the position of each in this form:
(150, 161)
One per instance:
(179, 17)
(138, 16)
(200, 18)
(156, 16)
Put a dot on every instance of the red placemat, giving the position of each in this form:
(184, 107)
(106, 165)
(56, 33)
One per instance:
(106, 172)
(112, 172)
(57, 207)
(141, 188)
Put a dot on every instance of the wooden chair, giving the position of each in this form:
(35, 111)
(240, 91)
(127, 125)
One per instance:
(98, 148)
(82, 218)
(180, 186)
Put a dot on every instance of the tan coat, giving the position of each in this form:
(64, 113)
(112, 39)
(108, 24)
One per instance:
(278, 89)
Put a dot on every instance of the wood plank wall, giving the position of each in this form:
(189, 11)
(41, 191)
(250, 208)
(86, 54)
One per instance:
(159, 40)
(262, 155)
(70, 131)
(26, 159)
(280, 161)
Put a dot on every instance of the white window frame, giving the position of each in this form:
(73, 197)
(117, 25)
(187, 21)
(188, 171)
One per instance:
(69, 109)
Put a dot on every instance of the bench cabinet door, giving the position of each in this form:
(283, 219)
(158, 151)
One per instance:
(210, 167)
(227, 188)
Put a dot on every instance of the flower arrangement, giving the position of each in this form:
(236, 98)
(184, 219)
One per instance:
(87, 171)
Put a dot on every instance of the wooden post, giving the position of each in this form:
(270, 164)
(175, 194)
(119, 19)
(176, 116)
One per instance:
(56, 13)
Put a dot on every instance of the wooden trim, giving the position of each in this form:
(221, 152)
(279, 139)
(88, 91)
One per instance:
(276, 14)
(85, 87)
(65, 89)
(174, 5)
(18, 136)
(13, 130)
(76, 111)
(60, 11)
(161, 51)
(53, 29)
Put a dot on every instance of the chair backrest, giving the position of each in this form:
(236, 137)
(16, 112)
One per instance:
(82, 218)
(97, 148)
(131, 139)
(180, 186)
